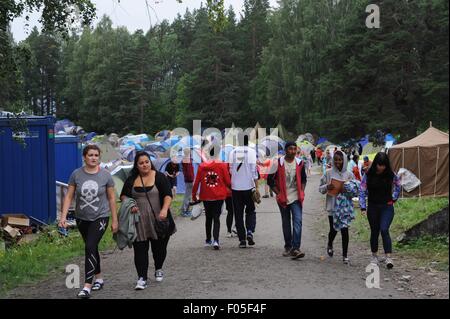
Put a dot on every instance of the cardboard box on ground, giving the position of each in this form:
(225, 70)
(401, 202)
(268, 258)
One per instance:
(15, 220)
(17, 229)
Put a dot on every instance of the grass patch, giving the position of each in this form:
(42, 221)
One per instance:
(409, 212)
(31, 262)
(175, 207)
(28, 263)
(427, 250)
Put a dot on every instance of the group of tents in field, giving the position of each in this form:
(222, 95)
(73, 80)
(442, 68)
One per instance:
(421, 162)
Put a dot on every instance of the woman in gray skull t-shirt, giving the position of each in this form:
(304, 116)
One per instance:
(95, 200)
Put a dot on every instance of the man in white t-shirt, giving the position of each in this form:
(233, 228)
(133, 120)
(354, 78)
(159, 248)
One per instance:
(244, 176)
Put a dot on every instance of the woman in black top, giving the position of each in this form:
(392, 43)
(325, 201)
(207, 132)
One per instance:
(151, 201)
(381, 186)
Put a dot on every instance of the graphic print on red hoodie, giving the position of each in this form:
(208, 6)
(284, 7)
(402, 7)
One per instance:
(213, 179)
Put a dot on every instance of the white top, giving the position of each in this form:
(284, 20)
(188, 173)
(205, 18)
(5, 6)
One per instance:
(291, 181)
(244, 178)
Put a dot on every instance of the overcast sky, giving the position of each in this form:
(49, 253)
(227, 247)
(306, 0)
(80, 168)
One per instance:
(132, 13)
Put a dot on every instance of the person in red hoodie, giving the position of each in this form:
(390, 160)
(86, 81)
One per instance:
(288, 183)
(214, 181)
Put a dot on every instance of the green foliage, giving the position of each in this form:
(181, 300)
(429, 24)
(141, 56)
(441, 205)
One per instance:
(33, 261)
(427, 250)
(311, 65)
(410, 212)
(325, 72)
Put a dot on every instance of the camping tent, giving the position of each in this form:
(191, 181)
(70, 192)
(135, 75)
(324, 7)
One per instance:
(370, 149)
(306, 137)
(283, 133)
(426, 156)
(108, 152)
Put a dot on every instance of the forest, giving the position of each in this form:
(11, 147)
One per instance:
(311, 65)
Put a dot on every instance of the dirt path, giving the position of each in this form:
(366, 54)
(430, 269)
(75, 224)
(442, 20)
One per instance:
(192, 271)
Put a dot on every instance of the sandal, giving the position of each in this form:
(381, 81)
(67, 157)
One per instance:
(97, 285)
(84, 294)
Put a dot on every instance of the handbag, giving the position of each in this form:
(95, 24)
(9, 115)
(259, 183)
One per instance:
(256, 196)
(162, 227)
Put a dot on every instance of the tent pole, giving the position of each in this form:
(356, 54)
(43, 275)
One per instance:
(403, 165)
(435, 176)
(418, 161)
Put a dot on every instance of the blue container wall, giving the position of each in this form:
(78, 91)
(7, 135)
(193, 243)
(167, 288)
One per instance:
(27, 175)
(67, 156)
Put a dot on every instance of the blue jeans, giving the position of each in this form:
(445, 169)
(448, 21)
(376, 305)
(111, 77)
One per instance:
(380, 218)
(292, 235)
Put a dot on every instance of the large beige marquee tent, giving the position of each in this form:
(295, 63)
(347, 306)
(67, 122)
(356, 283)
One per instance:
(427, 157)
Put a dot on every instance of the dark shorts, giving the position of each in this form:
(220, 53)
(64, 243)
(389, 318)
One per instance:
(172, 182)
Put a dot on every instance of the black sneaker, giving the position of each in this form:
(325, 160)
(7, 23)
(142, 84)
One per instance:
(84, 294)
(250, 240)
(330, 251)
(97, 285)
(242, 244)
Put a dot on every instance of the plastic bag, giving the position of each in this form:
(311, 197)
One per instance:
(408, 180)
(197, 210)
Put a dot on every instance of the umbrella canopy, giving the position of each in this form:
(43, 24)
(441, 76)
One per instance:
(305, 146)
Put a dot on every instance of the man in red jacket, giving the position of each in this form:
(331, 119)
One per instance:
(214, 181)
(288, 183)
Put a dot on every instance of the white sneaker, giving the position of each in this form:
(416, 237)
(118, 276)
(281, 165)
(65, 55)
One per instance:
(374, 260)
(229, 235)
(159, 275)
(381, 259)
(216, 245)
(141, 284)
(208, 243)
(389, 263)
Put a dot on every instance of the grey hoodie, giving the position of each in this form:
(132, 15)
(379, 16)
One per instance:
(126, 234)
(333, 172)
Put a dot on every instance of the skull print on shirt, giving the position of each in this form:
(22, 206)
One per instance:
(89, 194)
(212, 179)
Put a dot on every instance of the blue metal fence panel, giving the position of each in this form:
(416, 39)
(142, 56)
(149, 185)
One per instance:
(27, 174)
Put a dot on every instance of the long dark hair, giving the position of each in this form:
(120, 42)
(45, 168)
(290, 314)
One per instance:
(135, 170)
(381, 159)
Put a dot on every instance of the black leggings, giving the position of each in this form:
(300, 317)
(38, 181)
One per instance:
(332, 235)
(159, 251)
(92, 232)
(213, 209)
(230, 213)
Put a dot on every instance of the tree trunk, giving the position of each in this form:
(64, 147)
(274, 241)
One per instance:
(253, 49)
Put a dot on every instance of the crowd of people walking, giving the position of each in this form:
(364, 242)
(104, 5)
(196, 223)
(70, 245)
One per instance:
(145, 219)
